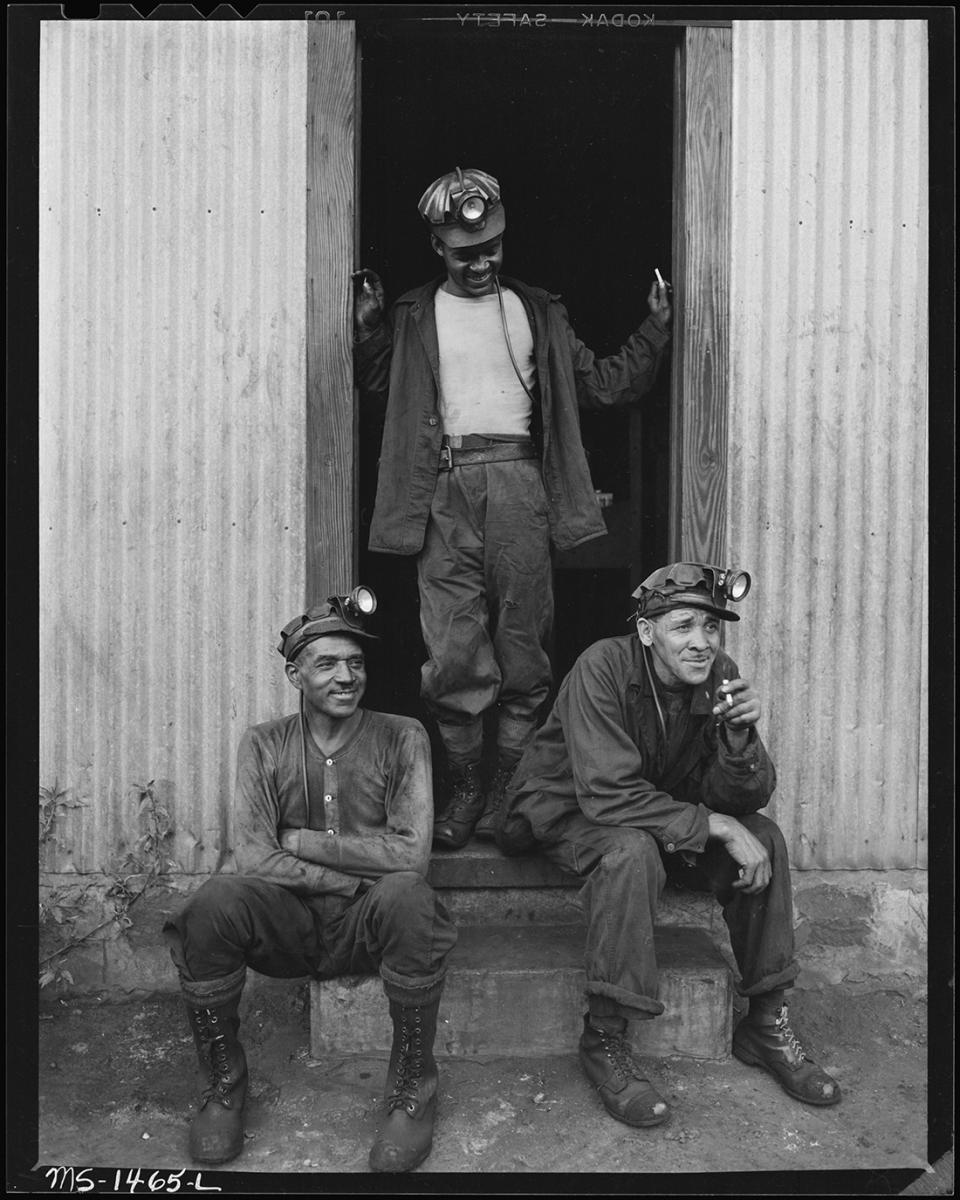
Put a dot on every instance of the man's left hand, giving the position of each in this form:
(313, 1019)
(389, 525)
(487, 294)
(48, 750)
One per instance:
(659, 304)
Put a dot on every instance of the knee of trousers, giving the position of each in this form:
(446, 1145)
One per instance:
(633, 856)
(768, 833)
(220, 897)
(405, 892)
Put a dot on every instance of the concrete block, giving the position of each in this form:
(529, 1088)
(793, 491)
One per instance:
(515, 990)
(512, 906)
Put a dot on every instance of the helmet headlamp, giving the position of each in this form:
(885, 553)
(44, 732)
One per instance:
(694, 584)
(471, 211)
(463, 207)
(337, 614)
(734, 583)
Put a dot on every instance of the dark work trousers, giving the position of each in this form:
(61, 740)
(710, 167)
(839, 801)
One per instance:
(625, 875)
(398, 928)
(486, 605)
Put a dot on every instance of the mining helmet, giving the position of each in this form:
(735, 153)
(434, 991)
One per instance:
(463, 207)
(338, 614)
(692, 585)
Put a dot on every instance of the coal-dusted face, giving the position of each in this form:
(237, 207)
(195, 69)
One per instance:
(471, 270)
(331, 672)
(684, 643)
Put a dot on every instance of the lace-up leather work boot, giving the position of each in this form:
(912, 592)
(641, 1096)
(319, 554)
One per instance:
(456, 825)
(773, 1045)
(611, 1068)
(406, 1135)
(487, 825)
(216, 1134)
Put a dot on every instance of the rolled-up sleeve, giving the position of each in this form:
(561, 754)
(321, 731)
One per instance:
(609, 773)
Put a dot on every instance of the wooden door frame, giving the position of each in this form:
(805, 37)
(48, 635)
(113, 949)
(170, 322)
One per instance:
(703, 108)
(703, 80)
(331, 413)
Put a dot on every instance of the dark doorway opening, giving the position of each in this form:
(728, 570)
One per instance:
(577, 125)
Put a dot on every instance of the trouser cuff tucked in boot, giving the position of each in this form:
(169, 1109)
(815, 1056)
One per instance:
(412, 992)
(213, 993)
(628, 1004)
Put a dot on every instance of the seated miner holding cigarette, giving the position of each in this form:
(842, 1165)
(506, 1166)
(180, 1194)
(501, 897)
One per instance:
(334, 815)
(650, 768)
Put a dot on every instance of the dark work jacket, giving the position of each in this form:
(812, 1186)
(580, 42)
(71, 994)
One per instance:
(601, 753)
(402, 358)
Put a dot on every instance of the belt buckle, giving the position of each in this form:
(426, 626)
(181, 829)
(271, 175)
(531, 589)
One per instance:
(446, 458)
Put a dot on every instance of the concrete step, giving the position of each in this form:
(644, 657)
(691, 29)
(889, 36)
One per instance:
(484, 865)
(519, 990)
(480, 885)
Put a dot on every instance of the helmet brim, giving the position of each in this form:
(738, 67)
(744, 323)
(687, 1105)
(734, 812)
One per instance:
(657, 608)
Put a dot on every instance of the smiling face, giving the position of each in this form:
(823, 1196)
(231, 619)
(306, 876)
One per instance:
(684, 642)
(332, 675)
(471, 270)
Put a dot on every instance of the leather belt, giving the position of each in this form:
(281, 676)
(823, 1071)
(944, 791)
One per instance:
(457, 456)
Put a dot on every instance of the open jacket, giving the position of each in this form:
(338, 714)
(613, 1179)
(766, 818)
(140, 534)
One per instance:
(601, 753)
(401, 358)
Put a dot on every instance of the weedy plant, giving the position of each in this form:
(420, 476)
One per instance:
(64, 905)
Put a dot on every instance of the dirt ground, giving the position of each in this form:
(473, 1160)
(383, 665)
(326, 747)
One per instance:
(117, 1085)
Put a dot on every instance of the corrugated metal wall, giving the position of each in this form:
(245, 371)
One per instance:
(827, 493)
(172, 385)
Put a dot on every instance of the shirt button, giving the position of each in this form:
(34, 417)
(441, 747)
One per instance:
(329, 762)
(331, 832)
(670, 847)
(432, 421)
(328, 798)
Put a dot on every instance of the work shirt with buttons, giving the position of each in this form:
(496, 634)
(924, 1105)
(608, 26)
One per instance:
(601, 752)
(371, 805)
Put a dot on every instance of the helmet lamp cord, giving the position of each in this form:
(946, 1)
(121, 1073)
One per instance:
(506, 334)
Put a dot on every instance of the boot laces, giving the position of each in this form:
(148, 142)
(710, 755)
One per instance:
(793, 1042)
(463, 799)
(617, 1050)
(409, 1069)
(218, 1083)
(498, 789)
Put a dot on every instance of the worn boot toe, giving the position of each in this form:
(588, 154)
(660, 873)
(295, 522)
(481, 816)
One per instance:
(619, 1080)
(775, 1047)
(216, 1135)
(405, 1140)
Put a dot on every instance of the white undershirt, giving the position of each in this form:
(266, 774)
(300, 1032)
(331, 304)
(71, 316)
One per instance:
(479, 389)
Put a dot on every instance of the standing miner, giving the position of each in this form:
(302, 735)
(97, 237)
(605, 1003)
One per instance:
(650, 767)
(481, 466)
(334, 815)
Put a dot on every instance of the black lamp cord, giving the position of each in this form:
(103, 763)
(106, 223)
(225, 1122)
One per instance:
(506, 334)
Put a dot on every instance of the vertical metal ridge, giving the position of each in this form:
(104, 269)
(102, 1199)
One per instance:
(172, 414)
(827, 487)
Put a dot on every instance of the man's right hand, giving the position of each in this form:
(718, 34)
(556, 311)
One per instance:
(368, 300)
(745, 849)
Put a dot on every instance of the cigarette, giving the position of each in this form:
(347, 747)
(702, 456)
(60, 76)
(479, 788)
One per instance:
(729, 697)
(656, 271)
